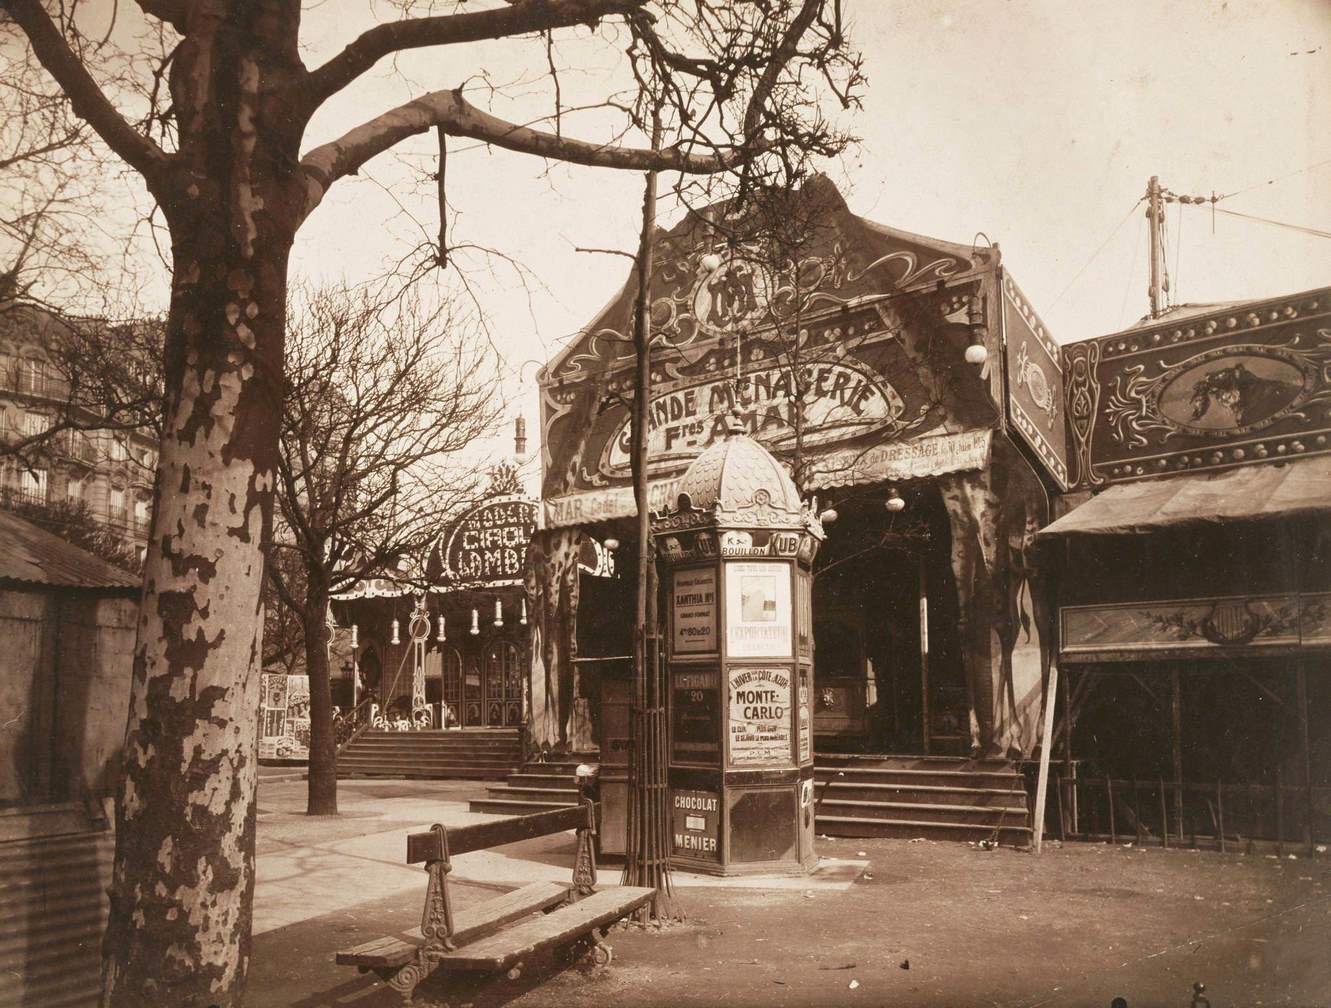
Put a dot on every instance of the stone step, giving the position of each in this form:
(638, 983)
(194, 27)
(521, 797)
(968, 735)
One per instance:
(503, 806)
(459, 772)
(524, 778)
(857, 826)
(921, 812)
(956, 777)
(890, 761)
(428, 758)
(562, 796)
(923, 793)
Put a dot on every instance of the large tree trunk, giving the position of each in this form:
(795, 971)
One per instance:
(322, 798)
(184, 865)
(183, 882)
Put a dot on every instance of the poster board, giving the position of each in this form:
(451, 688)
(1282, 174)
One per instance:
(759, 727)
(284, 716)
(695, 717)
(693, 605)
(695, 819)
(758, 610)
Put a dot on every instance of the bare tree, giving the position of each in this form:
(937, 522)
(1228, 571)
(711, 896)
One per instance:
(382, 404)
(218, 146)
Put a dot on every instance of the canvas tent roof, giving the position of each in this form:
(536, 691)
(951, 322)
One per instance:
(1298, 487)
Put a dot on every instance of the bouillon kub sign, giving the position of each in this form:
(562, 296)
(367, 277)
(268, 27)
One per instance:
(488, 544)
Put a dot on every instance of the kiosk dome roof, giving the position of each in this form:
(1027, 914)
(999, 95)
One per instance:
(733, 471)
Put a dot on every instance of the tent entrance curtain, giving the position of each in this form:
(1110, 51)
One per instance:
(1296, 488)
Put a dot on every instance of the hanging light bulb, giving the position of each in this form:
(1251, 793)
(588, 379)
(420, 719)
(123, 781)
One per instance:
(612, 544)
(397, 637)
(441, 636)
(894, 501)
(499, 613)
(355, 635)
(475, 622)
(828, 516)
(522, 620)
(711, 262)
(976, 352)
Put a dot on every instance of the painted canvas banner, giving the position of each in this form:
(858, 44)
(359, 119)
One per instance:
(1237, 385)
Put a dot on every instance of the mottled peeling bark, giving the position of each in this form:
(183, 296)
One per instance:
(183, 879)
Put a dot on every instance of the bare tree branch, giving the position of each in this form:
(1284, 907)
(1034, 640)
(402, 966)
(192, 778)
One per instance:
(458, 117)
(520, 17)
(84, 95)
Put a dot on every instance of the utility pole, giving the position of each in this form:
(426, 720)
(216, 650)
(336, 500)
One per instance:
(1155, 219)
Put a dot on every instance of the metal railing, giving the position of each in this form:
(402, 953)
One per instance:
(1222, 816)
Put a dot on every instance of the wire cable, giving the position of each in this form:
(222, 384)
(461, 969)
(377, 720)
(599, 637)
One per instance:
(1315, 232)
(1096, 253)
(1278, 178)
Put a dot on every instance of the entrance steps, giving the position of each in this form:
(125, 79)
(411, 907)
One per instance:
(935, 797)
(452, 754)
(53, 908)
(536, 787)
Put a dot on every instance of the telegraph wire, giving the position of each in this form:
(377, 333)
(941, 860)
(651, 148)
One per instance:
(1278, 178)
(1315, 232)
(1110, 237)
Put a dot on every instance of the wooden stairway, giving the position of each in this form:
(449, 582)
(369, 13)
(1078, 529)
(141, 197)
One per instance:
(455, 754)
(936, 797)
(55, 864)
(536, 787)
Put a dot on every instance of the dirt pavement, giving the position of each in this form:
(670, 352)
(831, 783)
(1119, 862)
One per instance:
(921, 923)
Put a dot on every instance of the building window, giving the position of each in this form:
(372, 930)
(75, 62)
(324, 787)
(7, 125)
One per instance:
(34, 376)
(34, 425)
(119, 453)
(141, 512)
(74, 489)
(32, 485)
(116, 503)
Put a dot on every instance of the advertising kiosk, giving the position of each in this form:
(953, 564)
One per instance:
(735, 553)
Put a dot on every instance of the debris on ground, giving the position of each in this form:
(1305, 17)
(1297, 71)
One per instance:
(853, 984)
(905, 964)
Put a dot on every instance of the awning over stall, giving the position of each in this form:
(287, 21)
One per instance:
(1279, 489)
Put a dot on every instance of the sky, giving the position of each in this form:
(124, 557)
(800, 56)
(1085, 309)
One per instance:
(1034, 122)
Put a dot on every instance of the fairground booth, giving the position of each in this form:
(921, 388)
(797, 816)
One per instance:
(914, 397)
(442, 656)
(1193, 579)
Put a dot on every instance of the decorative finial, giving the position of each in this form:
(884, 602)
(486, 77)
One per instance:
(735, 422)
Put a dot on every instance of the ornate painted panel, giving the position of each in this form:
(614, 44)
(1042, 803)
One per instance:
(1034, 383)
(827, 348)
(1233, 385)
(1130, 631)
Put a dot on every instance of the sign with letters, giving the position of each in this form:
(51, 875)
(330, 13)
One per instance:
(488, 545)
(693, 610)
(758, 610)
(695, 824)
(759, 716)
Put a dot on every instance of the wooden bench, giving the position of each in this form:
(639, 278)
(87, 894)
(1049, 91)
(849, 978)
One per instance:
(504, 931)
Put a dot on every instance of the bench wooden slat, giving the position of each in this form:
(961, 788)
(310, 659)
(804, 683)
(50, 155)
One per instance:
(480, 836)
(499, 951)
(379, 953)
(468, 925)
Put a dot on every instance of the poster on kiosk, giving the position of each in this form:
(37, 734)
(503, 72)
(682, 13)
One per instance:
(740, 668)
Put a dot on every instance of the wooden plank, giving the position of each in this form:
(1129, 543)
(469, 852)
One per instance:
(560, 927)
(1046, 751)
(379, 952)
(468, 925)
(464, 839)
(486, 918)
